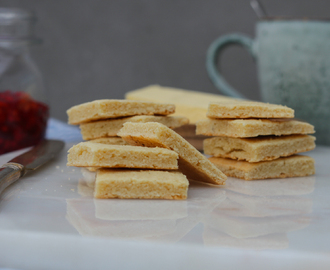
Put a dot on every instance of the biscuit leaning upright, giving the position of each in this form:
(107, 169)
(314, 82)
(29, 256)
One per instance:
(110, 128)
(191, 162)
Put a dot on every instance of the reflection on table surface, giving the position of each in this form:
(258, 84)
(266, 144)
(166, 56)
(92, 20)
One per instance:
(258, 214)
(243, 214)
(152, 220)
(263, 214)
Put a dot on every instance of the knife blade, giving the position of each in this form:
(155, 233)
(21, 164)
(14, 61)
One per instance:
(29, 161)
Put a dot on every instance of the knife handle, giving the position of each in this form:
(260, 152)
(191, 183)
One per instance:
(9, 173)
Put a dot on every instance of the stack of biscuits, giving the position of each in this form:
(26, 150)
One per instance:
(103, 127)
(255, 140)
(132, 171)
(191, 104)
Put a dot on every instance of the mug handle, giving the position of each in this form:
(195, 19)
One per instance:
(212, 61)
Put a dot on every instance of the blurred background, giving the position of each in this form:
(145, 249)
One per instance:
(102, 49)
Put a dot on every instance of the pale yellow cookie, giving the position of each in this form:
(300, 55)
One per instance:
(110, 127)
(87, 154)
(191, 104)
(188, 132)
(107, 140)
(248, 109)
(243, 128)
(110, 140)
(113, 108)
(292, 166)
(191, 162)
(258, 148)
(140, 184)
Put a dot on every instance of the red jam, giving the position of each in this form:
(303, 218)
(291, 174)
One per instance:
(23, 121)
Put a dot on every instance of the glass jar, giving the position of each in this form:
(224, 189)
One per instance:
(23, 108)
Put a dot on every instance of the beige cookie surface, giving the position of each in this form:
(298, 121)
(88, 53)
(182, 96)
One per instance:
(140, 184)
(191, 162)
(258, 148)
(248, 109)
(191, 104)
(110, 140)
(111, 127)
(242, 128)
(87, 154)
(115, 108)
(284, 167)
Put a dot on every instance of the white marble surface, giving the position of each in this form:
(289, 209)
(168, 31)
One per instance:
(49, 220)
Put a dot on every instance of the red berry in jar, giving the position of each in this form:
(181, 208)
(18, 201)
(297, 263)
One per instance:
(23, 121)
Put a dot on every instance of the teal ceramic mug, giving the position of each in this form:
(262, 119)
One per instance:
(293, 62)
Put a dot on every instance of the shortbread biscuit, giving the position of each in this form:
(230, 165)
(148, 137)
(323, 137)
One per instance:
(110, 127)
(248, 109)
(110, 140)
(188, 132)
(292, 166)
(191, 162)
(140, 184)
(243, 128)
(191, 104)
(258, 148)
(87, 154)
(113, 108)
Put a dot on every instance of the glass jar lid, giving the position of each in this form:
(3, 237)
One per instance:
(17, 24)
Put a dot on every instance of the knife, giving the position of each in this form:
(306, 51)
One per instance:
(29, 161)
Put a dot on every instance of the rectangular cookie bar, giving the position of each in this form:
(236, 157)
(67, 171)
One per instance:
(87, 154)
(243, 128)
(292, 166)
(114, 108)
(107, 140)
(111, 127)
(191, 162)
(258, 148)
(191, 104)
(248, 109)
(110, 140)
(140, 184)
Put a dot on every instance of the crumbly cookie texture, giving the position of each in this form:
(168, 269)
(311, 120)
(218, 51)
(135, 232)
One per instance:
(111, 127)
(140, 184)
(110, 140)
(87, 154)
(242, 128)
(259, 148)
(191, 162)
(191, 104)
(113, 108)
(107, 140)
(292, 166)
(248, 109)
